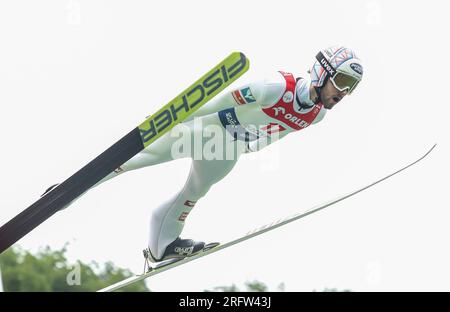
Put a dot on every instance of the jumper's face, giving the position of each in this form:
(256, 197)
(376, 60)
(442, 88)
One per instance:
(330, 96)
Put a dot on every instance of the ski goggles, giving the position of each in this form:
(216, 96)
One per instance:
(340, 80)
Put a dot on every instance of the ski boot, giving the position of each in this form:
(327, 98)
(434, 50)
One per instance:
(180, 249)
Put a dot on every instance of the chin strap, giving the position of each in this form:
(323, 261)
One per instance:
(318, 90)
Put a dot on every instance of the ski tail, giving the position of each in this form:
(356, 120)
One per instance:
(203, 90)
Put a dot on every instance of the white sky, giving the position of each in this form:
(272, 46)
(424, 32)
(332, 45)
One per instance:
(75, 76)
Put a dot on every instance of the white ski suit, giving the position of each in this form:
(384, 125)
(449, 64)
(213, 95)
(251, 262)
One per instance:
(248, 119)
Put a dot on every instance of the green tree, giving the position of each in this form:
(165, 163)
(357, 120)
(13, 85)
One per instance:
(256, 286)
(49, 270)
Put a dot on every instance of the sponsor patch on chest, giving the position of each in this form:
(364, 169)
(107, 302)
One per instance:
(243, 96)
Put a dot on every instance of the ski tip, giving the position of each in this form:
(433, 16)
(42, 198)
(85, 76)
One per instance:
(242, 57)
(432, 148)
(238, 53)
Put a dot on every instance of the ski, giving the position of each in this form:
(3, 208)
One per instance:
(174, 112)
(164, 266)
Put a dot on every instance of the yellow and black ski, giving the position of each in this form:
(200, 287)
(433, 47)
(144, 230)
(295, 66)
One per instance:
(203, 90)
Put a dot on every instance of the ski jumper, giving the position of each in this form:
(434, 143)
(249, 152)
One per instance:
(263, 111)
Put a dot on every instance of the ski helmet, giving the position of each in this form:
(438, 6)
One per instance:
(339, 64)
